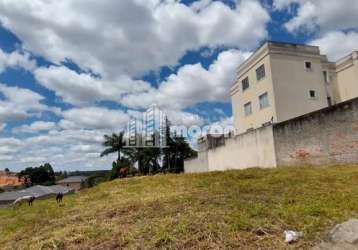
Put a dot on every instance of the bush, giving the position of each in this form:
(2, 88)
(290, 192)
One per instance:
(124, 163)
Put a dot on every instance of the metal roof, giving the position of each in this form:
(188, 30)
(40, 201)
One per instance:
(73, 179)
(37, 191)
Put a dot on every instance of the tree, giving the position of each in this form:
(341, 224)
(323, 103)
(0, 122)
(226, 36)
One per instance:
(146, 157)
(137, 155)
(43, 175)
(7, 170)
(114, 144)
(176, 152)
(181, 151)
(150, 160)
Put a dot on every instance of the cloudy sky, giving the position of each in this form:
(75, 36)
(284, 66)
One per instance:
(72, 70)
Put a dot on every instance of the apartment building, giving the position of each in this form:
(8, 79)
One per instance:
(281, 81)
(288, 87)
(345, 77)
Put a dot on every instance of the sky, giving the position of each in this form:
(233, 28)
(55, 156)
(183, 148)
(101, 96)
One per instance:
(74, 70)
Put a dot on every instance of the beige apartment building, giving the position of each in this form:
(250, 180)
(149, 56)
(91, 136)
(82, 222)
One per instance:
(291, 106)
(281, 81)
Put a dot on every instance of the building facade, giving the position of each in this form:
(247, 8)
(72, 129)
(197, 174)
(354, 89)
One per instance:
(291, 106)
(345, 77)
(282, 81)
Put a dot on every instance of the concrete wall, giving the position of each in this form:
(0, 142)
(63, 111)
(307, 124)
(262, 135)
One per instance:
(251, 149)
(326, 137)
(197, 165)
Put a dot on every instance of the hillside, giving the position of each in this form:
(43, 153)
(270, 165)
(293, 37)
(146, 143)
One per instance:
(236, 209)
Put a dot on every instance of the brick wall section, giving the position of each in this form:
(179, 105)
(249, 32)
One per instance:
(325, 137)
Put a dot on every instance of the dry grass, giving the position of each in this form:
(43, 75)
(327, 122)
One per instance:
(246, 209)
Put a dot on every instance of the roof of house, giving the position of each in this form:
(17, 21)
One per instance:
(73, 179)
(37, 191)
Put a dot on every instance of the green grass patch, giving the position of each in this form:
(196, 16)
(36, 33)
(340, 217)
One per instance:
(247, 209)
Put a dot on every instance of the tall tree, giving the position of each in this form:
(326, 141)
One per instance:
(114, 144)
(147, 158)
(181, 151)
(176, 152)
(168, 150)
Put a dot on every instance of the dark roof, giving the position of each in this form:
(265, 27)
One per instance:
(73, 179)
(37, 191)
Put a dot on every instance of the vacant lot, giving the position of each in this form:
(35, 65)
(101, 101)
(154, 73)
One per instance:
(247, 209)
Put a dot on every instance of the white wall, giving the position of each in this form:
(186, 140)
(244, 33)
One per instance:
(251, 149)
(197, 165)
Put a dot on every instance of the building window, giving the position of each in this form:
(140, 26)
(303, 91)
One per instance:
(325, 76)
(313, 94)
(264, 101)
(308, 66)
(260, 72)
(245, 84)
(248, 109)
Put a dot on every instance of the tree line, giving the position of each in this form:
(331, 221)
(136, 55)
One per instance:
(42, 175)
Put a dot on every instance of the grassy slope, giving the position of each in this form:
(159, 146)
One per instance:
(235, 209)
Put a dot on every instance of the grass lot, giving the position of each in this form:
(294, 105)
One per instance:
(247, 209)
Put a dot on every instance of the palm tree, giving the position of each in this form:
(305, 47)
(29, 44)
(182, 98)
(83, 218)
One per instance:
(113, 144)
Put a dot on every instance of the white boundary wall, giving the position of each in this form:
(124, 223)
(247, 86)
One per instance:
(251, 149)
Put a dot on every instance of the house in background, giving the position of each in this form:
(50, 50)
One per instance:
(73, 182)
(9, 181)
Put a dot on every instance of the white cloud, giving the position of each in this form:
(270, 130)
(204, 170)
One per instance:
(337, 44)
(2, 126)
(9, 145)
(38, 126)
(82, 88)
(193, 84)
(130, 37)
(182, 118)
(19, 104)
(283, 4)
(322, 14)
(118, 41)
(66, 149)
(94, 118)
(16, 59)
